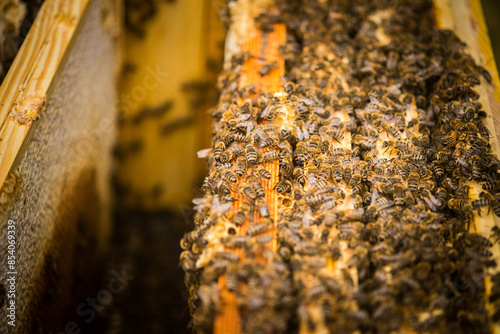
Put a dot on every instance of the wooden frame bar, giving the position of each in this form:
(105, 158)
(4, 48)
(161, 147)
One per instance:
(27, 86)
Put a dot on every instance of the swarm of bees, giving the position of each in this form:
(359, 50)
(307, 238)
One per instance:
(376, 137)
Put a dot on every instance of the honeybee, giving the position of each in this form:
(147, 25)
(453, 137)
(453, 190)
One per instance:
(347, 174)
(247, 190)
(210, 180)
(409, 199)
(418, 158)
(241, 214)
(264, 239)
(494, 202)
(251, 154)
(491, 186)
(451, 139)
(458, 204)
(267, 68)
(187, 261)
(283, 187)
(235, 137)
(228, 256)
(286, 134)
(260, 228)
(314, 143)
(262, 206)
(270, 141)
(257, 186)
(449, 184)
(224, 188)
(270, 156)
(224, 166)
(298, 175)
(289, 87)
(495, 236)
(224, 198)
(314, 200)
(379, 204)
(318, 180)
(301, 155)
(190, 238)
(413, 181)
(241, 166)
(398, 194)
(219, 148)
(240, 58)
(229, 176)
(337, 173)
(286, 167)
(263, 173)
(297, 190)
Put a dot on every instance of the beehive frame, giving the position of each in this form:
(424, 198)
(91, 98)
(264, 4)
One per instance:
(446, 15)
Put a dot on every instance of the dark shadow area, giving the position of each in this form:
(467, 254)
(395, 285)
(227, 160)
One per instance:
(146, 245)
(491, 9)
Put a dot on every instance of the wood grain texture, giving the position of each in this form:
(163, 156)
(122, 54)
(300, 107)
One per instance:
(465, 18)
(25, 90)
(264, 49)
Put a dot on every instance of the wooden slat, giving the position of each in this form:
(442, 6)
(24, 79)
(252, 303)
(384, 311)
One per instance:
(264, 49)
(465, 18)
(26, 88)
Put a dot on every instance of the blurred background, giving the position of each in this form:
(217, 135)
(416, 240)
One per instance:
(491, 9)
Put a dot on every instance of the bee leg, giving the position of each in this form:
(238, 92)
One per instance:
(479, 211)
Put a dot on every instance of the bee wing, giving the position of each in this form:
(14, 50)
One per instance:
(243, 117)
(307, 102)
(204, 153)
(198, 201)
(312, 180)
(218, 208)
(261, 133)
(375, 195)
(307, 218)
(305, 133)
(250, 126)
(375, 100)
(336, 121)
(319, 110)
(267, 111)
(300, 136)
(328, 205)
(429, 203)
(223, 208)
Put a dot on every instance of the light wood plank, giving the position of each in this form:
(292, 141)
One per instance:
(261, 46)
(465, 18)
(25, 90)
(178, 41)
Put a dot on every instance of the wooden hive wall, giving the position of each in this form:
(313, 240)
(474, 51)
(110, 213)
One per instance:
(62, 206)
(164, 121)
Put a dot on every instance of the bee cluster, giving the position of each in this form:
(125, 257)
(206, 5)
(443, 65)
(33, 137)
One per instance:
(371, 146)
